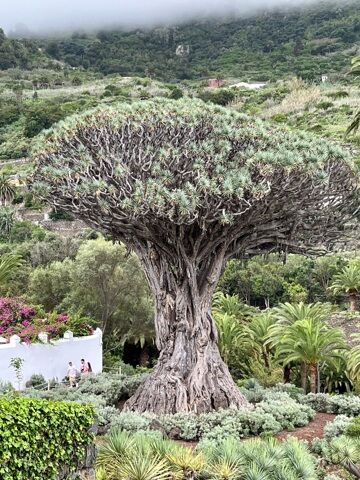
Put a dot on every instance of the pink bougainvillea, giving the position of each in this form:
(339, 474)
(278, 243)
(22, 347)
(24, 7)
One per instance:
(17, 318)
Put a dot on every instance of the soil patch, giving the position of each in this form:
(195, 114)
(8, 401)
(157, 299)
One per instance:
(315, 429)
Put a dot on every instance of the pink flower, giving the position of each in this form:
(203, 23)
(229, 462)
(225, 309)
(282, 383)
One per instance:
(25, 323)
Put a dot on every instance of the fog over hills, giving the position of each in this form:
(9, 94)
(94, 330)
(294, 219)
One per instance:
(24, 17)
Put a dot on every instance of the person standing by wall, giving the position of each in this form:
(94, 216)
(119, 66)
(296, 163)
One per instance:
(72, 372)
(84, 367)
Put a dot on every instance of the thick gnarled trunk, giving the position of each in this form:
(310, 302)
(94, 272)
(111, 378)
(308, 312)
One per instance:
(190, 374)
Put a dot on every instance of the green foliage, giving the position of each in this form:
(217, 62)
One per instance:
(261, 459)
(340, 404)
(103, 281)
(38, 437)
(219, 97)
(348, 282)
(275, 412)
(316, 38)
(36, 381)
(9, 264)
(129, 456)
(337, 427)
(353, 428)
(155, 196)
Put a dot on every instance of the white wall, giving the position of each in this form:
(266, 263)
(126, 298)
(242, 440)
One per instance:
(50, 359)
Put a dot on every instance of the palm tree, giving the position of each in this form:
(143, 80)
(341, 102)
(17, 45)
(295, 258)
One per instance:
(231, 334)
(311, 342)
(9, 263)
(348, 282)
(231, 304)
(7, 219)
(7, 190)
(354, 359)
(259, 328)
(287, 314)
(355, 70)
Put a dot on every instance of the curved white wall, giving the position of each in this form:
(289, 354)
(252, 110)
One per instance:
(50, 359)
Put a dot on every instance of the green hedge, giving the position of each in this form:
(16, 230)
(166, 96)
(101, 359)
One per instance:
(38, 437)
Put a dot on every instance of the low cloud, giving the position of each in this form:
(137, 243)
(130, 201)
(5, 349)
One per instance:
(52, 16)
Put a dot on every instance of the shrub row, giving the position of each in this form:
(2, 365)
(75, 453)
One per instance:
(340, 404)
(276, 413)
(38, 438)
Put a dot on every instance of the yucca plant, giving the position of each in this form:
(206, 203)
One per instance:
(7, 190)
(186, 462)
(144, 467)
(113, 450)
(346, 452)
(224, 470)
(259, 460)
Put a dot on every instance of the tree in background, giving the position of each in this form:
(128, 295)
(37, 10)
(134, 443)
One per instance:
(187, 185)
(354, 360)
(9, 264)
(287, 315)
(355, 124)
(348, 283)
(312, 343)
(103, 281)
(7, 190)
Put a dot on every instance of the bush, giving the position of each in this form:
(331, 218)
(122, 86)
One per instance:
(131, 422)
(276, 413)
(337, 427)
(353, 429)
(340, 404)
(36, 381)
(39, 437)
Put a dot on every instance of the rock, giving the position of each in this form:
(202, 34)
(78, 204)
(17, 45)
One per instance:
(156, 425)
(175, 433)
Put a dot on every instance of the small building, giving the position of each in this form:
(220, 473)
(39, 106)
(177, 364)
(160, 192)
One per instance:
(215, 83)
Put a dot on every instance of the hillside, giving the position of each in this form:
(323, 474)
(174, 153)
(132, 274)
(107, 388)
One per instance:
(305, 42)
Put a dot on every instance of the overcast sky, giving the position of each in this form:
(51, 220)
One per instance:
(55, 15)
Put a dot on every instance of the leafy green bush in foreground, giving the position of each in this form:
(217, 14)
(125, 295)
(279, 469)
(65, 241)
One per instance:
(39, 437)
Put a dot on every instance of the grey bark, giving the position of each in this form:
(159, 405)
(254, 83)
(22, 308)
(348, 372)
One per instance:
(190, 374)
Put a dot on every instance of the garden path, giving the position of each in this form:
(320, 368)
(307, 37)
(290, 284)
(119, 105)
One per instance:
(314, 429)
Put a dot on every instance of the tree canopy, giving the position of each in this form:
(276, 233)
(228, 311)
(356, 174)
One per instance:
(129, 169)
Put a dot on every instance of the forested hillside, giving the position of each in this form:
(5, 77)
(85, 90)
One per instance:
(306, 42)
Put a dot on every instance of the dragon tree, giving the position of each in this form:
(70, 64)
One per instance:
(187, 185)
